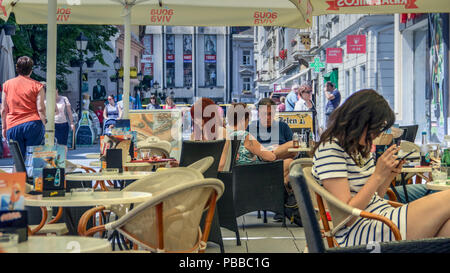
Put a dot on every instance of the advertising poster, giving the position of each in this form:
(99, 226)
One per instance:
(210, 48)
(170, 48)
(98, 84)
(12, 189)
(438, 70)
(187, 48)
(297, 120)
(158, 125)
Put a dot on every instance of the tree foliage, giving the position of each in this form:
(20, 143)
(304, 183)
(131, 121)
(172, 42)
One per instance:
(31, 40)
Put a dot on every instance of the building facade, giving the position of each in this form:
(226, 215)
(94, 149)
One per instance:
(187, 62)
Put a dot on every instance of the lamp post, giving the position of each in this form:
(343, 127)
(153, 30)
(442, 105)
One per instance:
(117, 66)
(81, 46)
(156, 86)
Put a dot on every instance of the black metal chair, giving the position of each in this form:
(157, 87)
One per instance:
(314, 237)
(259, 187)
(225, 205)
(409, 132)
(192, 151)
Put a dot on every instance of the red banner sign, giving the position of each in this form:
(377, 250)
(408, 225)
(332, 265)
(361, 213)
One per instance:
(334, 55)
(337, 4)
(170, 58)
(356, 44)
(210, 58)
(187, 58)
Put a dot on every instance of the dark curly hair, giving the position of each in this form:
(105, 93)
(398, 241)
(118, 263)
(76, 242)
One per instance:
(364, 109)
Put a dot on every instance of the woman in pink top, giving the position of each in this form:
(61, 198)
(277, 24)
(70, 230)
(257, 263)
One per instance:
(23, 108)
(169, 103)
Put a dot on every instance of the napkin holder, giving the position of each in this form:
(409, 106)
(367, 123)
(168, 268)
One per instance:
(114, 159)
(53, 182)
(16, 222)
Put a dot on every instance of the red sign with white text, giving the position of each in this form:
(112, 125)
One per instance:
(210, 58)
(356, 44)
(334, 55)
(338, 4)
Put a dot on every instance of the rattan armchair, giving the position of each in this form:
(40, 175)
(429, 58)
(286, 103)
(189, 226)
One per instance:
(170, 220)
(301, 182)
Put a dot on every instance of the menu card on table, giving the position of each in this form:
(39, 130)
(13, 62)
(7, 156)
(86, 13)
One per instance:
(13, 217)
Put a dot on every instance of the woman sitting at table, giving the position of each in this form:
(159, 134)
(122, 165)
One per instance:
(250, 150)
(207, 123)
(344, 165)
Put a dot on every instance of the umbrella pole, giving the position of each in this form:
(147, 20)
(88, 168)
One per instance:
(51, 74)
(126, 62)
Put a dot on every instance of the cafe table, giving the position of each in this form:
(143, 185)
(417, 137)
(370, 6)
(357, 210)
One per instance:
(86, 199)
(299, 149)
(438, 186)
(60, 244)
(418, 171)
(93, 156)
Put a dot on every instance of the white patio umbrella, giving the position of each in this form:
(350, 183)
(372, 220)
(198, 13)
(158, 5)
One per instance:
(145, 12)
(7, 70)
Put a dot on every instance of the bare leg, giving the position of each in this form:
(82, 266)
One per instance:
(282, 151)
(445, 230)
(286, 164)
(429, 216)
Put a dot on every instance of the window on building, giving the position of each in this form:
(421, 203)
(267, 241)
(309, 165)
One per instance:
(187, 60)
(353, 81)
(246, 86)
(347, 82)
(170, 60)
(362, 76)
(210, 60)
(246, 57)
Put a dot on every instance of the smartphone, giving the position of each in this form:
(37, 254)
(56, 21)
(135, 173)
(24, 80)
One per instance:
(405, 156)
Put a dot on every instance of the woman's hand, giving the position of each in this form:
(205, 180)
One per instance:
(388, 163)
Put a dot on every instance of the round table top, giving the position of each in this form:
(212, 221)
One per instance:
(417, 170)
(131, 164)
(96, 198)
(93, 156)
(60, 244)
(133, 175)
(300, 149)
(437, 187)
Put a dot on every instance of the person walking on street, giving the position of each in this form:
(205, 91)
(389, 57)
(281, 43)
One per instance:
(292, 98)
(282, 106)
(334, 99)
(23, 108)
(111, 113)
(63, 115)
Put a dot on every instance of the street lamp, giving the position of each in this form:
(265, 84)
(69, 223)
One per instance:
(117, 66)
(156, 86)
(81, 46)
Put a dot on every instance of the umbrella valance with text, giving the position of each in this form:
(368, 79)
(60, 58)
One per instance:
(164, 12)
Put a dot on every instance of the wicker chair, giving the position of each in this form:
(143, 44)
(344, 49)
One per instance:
(301, 183)
(170, 220)
(203, 164)
(160, 148)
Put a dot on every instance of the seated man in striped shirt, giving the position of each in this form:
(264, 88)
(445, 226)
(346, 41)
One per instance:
(344, 166)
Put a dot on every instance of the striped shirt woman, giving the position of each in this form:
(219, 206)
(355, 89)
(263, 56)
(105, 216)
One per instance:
(331, 161)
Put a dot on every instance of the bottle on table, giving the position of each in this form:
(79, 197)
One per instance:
(425, 157)
(295, 140)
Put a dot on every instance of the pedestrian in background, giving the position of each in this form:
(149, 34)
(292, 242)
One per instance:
(292, 98)
(282, 106)
(23, 108)
(334, 99)
(63, 115)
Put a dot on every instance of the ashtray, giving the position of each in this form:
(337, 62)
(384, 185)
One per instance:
(110, 170)
(81, 191)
